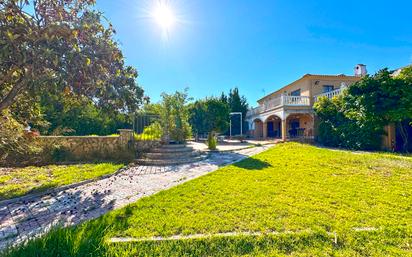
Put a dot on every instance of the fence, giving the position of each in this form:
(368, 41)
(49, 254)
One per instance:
(141, 121)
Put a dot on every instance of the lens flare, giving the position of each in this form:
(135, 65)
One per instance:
(164, 16)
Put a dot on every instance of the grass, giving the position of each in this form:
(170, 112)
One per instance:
(317, 199)
(16, 182)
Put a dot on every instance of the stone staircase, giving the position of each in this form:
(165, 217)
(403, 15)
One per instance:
(172, 154)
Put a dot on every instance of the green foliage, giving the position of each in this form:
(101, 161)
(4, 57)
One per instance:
(338, 129)
(306, 194)
(209, 115)
(152, 132)
(213, 114)
(70, 115)
(174, 116)
(11, 136)
(356, 119)
(237, 103)
(57, 50)
(211, 141)
(16, 148)
(36, 179)
(381, 98)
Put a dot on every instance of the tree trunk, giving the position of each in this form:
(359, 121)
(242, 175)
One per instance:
(9, 99)
(15, 90)
(404, 136)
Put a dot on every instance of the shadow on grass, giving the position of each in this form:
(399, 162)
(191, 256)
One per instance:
(69, 206)
(252, 164)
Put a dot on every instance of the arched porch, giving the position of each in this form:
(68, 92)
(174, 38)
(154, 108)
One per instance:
(273, 127)
(300, 125)
(258, 128)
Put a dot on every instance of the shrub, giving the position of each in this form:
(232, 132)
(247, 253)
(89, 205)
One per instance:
(15, 146)
(211, 141)
(152, 132)
(338, 127)
(174, 116)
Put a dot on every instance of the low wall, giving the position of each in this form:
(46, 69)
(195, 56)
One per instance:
(89, 148)
(85, 148)
(143, 146)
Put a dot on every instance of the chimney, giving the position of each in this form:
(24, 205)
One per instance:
(360, 70)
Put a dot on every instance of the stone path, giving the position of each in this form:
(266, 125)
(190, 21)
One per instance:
(23, 220)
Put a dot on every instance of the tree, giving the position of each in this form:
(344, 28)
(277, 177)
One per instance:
(383, 99)
(197, 117)
(174, 116)
(209, 115)
(61, 46)
(406, 77)
(339, 129)
(356, 119)
(237, 103)
(71, 115)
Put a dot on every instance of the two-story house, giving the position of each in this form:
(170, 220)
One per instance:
(288, 112)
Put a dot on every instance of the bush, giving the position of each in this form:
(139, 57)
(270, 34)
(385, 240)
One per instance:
(152, 132)
(15, 146)
(211, 141)
(174, 116)
(338, 127)
(18, 148)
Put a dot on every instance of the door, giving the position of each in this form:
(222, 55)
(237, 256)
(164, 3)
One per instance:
(294, 126)
(271, 129)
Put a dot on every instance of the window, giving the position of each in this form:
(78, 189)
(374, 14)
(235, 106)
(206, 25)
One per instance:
(295, 93)
(328, 88)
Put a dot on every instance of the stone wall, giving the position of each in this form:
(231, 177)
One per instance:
(88, 148)
(143, 146)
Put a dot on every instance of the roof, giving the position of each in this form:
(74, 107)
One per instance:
(310, 76)
(399, 70)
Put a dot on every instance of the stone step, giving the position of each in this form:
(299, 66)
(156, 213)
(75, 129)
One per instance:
(174, 146)
(167, 162)
(171, 149)
(172, 155)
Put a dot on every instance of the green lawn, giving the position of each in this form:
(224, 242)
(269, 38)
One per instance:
(311, 196)
(21, 181)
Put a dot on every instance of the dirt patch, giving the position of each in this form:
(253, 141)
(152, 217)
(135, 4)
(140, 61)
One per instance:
(6, 171)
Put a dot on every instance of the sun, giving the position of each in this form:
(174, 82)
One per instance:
(164, 16)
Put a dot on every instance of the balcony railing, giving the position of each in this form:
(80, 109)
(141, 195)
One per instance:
(255, 111)
(287, 100)
(330, 94)
(283, 100)
(295, 100)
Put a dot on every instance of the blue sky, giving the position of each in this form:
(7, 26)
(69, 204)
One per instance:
(258, 46)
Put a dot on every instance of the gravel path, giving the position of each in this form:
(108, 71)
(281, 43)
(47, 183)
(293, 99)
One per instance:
(23, 220)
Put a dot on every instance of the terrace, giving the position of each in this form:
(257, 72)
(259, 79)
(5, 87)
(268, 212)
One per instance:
(284, 101)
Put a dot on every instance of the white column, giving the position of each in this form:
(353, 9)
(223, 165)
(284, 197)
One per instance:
(284, 130)
(265, 129)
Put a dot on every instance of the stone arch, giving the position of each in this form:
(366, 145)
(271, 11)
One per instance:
(300, 125)
(273, 126)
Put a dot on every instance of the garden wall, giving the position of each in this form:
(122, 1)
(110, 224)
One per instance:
(90, 148)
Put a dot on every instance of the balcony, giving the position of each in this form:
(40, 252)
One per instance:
(286, 100)
(281, 101)
(330, 94)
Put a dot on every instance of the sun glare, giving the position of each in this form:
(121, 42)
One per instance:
(164, 16)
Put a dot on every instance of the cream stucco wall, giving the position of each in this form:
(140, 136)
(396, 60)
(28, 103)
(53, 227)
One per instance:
(311, 85)
(317, 85)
